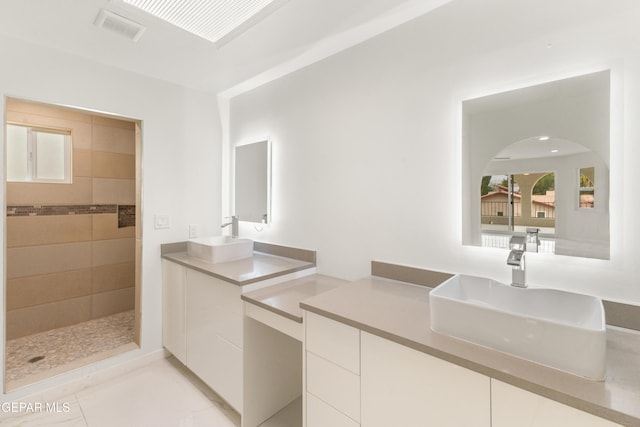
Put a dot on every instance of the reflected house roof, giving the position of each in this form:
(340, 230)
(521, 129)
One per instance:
(547, 199)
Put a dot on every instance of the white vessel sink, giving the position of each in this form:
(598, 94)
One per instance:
(559, 329)
(216, 249)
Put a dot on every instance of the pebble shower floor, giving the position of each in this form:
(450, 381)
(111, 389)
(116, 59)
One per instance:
(38, 356)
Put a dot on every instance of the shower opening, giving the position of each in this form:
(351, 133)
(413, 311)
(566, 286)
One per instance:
(73, 239)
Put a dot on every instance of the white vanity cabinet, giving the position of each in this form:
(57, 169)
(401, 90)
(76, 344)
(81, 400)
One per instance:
(405, 387)
(354, 378)
(174, 320)
(332, 366)
(512, 406)
(202, 327)
(214, 334)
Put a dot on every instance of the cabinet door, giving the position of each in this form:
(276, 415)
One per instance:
(212, 333)
(174, 336)
(405, 387)
(512, 406)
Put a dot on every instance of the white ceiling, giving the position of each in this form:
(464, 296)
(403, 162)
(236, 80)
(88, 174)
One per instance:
(297, 33)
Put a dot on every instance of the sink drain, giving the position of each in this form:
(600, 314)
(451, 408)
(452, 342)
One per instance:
(35, 359)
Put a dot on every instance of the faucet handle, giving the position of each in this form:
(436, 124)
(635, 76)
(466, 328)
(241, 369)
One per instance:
(515, 258)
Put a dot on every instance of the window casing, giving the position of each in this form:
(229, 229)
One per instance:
(36, 154)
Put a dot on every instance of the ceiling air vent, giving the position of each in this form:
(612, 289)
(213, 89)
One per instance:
(119, 24)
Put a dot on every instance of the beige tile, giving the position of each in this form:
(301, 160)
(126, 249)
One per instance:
(82, 163)
(111, 302)
(114, 165)
(81, 136)
(105, 226)
(30, 320)
(138, 181)
(50, 110)
(114, 251)
(36, 260)
(47, 229)
(114, 139)
(109, 190)
(78, 193)
(35, 290)
(114, 122)
(113, 276)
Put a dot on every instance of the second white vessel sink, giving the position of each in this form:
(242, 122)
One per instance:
(216, 249)
(562, 330)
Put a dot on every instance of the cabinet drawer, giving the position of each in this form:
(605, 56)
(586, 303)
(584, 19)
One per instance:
(319, 414)
(333, 384)
(333, 341)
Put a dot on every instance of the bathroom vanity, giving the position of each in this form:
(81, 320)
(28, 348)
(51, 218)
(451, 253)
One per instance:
(203, 313)
(273, 335)
(266, 330)
(372, 359)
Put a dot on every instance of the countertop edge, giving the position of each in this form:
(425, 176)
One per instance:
(271, 308)
(170, 257)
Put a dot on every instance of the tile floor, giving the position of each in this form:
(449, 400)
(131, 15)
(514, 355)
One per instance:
(35, 357)
(163, 393)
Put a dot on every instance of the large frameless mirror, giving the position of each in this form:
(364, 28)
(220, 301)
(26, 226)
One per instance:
(538, 157)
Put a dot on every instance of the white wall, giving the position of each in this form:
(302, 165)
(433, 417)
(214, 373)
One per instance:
(367, 143)
(181, 155)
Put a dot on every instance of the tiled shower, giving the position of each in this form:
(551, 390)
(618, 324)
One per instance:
(71, 247)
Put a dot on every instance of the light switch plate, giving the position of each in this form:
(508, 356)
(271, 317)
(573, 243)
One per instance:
(162, 221)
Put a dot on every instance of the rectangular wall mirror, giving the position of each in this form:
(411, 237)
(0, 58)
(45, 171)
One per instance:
(253, 182)
(537, 157)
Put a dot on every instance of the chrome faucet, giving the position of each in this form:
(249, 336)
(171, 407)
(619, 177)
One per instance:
(519, 245)
(516, 261)
(233, 224)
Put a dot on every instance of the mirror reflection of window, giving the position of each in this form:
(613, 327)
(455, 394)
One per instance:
(543, 202)
(495, 206)
(587, 193)
(513, 203)
(560, 126)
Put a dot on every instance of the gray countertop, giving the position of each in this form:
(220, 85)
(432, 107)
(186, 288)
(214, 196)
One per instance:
(399, 311)
(284, 298)
(245, 271)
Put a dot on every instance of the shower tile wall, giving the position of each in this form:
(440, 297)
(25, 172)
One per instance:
(65, 269)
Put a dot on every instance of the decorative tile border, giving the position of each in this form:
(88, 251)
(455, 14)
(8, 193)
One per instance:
(126, 216)
(40, 210)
